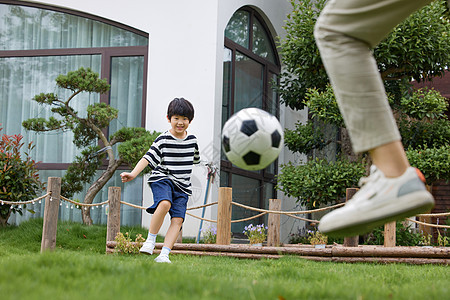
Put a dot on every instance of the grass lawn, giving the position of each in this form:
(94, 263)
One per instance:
(80, 269)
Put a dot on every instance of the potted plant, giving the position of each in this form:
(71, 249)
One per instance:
(256, 234)
(317, 239)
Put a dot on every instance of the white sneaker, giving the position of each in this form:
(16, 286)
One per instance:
(147, 248)
(380, 200)
(163, 259)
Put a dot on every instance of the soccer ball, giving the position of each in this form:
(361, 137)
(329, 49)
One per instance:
(252, 138)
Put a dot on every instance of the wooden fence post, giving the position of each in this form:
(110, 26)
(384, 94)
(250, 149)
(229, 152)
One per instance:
(389, 234)
(224, 216)
(426, 230)
(351, 241)
(273, 234)
(113, 225)
(51, 211)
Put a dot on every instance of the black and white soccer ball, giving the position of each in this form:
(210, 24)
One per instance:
(252, 138)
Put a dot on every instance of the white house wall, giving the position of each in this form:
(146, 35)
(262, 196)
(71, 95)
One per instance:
(186, 40)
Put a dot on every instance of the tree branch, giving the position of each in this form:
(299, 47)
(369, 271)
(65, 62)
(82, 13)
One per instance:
(385, 74)
(71, 97)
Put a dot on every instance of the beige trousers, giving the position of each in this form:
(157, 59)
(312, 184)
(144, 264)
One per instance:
(345, 32)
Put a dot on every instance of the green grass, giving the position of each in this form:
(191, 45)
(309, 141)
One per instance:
(79, 269)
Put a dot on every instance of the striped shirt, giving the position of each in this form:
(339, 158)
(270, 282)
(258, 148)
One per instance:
(172, 158)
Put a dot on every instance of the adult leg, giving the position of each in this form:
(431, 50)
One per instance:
(345, 32)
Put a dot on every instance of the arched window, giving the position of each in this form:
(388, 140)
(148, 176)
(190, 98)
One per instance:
(39, 42)
(251, 66)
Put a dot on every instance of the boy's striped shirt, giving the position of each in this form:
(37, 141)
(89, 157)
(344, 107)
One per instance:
(172, 158)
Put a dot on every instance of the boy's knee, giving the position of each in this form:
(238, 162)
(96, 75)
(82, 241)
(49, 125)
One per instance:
(164, 205)
(177, 221)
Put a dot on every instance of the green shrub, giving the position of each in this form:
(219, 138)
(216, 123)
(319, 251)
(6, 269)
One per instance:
(416, 133)
(304, 137)
(433, 162)
(424, 103)
(19, 179)
(403, 236)
(319, 181)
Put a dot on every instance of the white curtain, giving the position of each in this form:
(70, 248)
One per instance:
(21, 78)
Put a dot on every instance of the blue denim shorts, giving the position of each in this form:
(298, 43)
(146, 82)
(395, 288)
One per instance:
(166, 190)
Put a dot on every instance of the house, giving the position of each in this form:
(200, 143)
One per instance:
(219, 54)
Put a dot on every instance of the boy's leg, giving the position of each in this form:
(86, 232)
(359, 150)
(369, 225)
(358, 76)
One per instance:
(158, 216)
(169, 240)
(173, 232)
(344, 34)
(155, 224)
(177, 213)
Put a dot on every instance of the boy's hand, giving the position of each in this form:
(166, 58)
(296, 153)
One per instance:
(126, 176)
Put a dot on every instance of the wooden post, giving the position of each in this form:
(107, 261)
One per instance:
(351, 241)
(273, 234)
(224, 216)
(51, 211)
(113, 225)
(389, 234)
(426, 230)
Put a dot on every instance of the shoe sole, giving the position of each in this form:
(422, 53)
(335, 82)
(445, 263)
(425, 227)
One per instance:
(145, 252)
(162, 261)
(367, 226)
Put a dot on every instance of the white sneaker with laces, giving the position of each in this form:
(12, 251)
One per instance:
(380, 200)
(147, 248)
(163, 259)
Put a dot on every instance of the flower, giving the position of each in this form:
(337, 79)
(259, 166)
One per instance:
(209, 234)
(126, 246)
(317, 238)
(256, 234)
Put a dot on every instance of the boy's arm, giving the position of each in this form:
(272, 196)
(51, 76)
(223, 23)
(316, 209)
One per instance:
(126, 176)
(196, 155)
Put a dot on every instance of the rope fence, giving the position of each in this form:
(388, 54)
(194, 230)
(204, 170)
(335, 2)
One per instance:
(223, 221)
(263, 211)
(428, 224)
(3, 202)
(85, 205)
(287, 212)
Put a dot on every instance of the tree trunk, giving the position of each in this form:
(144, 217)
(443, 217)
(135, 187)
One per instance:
(4, 219)
(95, 188)
(346, 145)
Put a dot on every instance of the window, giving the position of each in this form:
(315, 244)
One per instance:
(251, 65)
(39, 42)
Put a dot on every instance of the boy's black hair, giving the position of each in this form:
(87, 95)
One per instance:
(180, 107)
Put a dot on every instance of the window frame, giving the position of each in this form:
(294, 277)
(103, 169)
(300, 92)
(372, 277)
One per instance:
(106, 53)
(270, 68)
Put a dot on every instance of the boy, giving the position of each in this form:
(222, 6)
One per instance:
(345, 32)
(171, 158)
